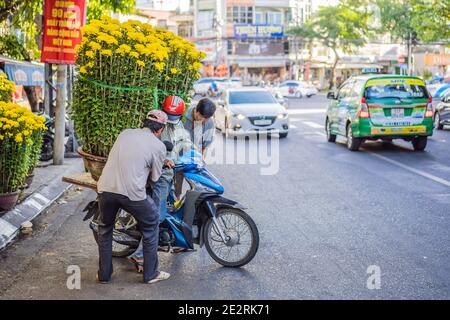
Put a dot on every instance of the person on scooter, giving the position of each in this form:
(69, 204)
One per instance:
(136, 155)
(200, 125)
(213, 89)
(173, 107)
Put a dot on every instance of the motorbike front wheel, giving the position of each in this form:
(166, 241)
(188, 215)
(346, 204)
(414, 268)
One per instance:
(241, 238)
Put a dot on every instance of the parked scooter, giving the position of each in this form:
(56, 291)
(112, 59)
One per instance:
(48, 138)
(202, 217)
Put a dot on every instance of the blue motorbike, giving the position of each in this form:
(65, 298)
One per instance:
(202, 217)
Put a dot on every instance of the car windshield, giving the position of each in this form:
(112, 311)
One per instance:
(400, 90)
(252, 97)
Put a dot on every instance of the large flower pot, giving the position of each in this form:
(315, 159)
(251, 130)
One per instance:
(94, 164)
(8, 200)
(29, 180)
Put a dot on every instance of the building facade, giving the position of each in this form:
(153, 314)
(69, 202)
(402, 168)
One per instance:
(248, 36)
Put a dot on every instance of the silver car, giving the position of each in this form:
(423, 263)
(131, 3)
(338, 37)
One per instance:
(250, 110)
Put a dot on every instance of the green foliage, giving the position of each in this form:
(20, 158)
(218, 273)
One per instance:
(12, 47)
(345, 27)
(98, 8)
(429, 20)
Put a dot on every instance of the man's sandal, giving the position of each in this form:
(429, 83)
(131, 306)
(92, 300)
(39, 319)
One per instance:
(138, 264)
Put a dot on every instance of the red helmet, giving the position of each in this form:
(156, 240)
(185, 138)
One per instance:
(174, 106)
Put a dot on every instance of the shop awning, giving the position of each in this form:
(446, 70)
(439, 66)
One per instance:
(23, 73)
(260, 63)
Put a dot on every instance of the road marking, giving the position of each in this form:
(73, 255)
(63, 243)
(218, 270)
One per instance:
(295, 119)
(305, 111)
(401, 165)
(293, 126)
(313, 124)
(416, 171)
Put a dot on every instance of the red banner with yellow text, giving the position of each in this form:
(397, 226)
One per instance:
(63, 20)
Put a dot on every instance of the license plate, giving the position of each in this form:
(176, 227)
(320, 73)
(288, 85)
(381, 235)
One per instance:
(262, 122)
(397, 113)
(399, 130)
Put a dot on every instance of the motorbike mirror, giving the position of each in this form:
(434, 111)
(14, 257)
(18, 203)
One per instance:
(169, 146)
(330, 95)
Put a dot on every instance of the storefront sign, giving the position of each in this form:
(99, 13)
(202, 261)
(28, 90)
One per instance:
(62, 23)
(258, 31)
(437, 59)
(260, 49)
(25, 74)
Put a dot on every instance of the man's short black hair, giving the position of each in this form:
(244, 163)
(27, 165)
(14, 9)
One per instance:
(152, 125)
(206, 107)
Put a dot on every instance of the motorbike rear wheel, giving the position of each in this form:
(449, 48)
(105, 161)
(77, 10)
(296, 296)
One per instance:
(124, 220)
(242, 238)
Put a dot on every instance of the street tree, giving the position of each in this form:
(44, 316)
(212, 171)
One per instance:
(343, 27)
(414, 21)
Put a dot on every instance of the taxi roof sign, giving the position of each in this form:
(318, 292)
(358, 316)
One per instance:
(370, 70)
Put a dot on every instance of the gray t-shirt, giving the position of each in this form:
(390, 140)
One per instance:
(202, 134)
(135, 153)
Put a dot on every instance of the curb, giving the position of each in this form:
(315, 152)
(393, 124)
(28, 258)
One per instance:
(32, 206)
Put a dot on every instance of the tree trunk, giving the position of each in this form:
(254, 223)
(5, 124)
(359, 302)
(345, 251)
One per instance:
(32, 98)
(333, 69)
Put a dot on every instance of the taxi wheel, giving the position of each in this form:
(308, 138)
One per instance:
(420, 143)
(330, 137)
(353, 143)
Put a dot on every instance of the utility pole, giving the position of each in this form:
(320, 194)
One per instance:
(410, 54)
(60, 115)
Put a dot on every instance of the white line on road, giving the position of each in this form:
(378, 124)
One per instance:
(313, 124)
(416, 171)
(305, 111)
(293, 126)
(394, 162)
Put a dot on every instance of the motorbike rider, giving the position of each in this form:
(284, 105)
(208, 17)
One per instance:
(213, 89)
(135, 155)
(174, 107)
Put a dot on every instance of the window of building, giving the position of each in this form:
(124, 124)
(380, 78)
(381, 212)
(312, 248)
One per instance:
(240, 14)
(205, 19)
(259, 17)
(274, 17)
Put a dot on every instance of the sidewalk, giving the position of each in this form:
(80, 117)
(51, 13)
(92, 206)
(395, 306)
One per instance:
(46, 188)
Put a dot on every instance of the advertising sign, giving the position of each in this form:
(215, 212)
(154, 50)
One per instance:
(437, 59)
(261, 49)
(62, 24)
(258, 31)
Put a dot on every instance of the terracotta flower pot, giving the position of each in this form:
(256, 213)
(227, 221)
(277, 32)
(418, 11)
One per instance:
(29, 180)
(8, 200)
(94, 164)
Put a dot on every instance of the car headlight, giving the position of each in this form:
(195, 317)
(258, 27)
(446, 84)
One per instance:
(240, 116)
(282, 116)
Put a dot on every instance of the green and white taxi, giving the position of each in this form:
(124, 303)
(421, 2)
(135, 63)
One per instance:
(386, 107)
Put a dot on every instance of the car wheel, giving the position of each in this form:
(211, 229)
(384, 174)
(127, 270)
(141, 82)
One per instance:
(437, 122)
(298, 94)
(283, 135)
(330, 137)
(420, 143)
(309, 96)
(353, 143)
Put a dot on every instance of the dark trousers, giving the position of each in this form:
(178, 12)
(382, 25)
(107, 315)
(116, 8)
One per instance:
(147, 217)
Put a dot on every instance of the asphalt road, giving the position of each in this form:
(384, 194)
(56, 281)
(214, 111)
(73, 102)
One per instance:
(327, 218)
